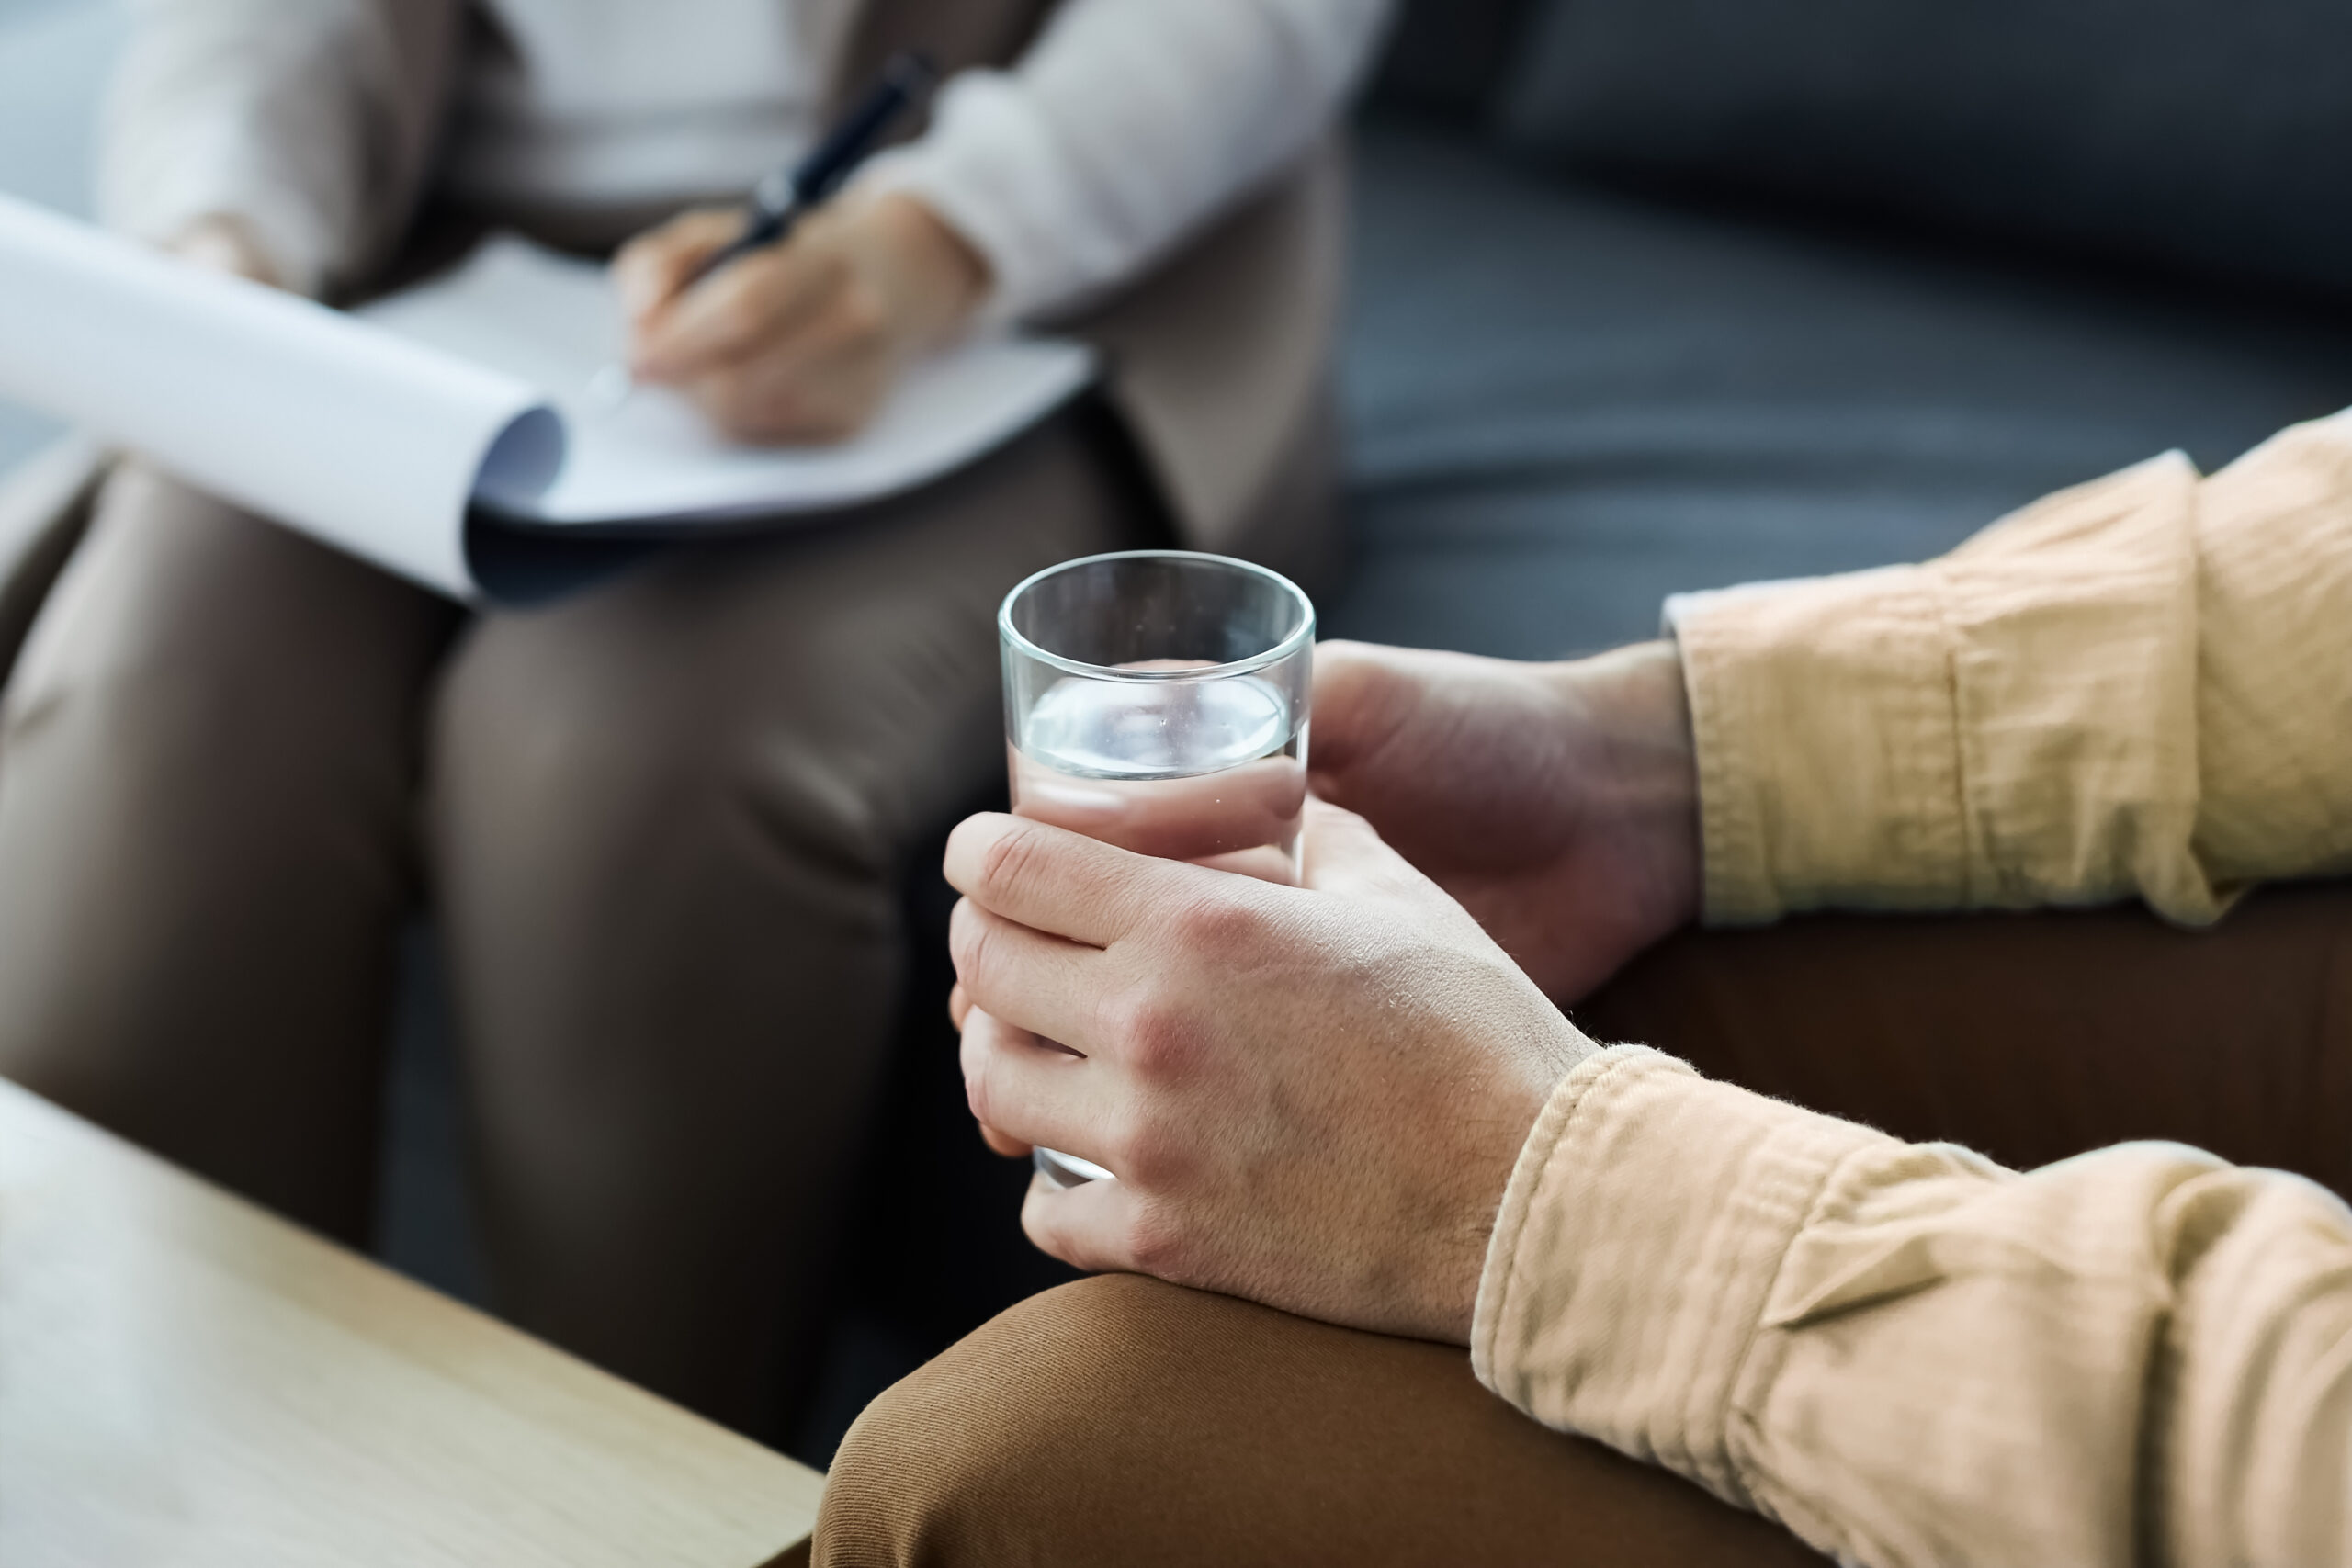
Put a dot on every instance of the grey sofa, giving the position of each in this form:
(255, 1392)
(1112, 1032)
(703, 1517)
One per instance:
(1587, 364)
(1611, 336)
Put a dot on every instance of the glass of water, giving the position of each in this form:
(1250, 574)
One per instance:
(1157, 700)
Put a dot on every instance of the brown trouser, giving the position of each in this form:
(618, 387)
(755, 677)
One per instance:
(661, 824)
(1122, 1420)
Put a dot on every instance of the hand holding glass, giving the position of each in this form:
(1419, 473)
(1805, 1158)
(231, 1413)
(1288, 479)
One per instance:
(1158, 700)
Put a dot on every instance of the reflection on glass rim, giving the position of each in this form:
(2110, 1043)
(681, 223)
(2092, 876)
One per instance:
(1300, 636)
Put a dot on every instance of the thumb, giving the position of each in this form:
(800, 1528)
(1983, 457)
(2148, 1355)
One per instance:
(1360, 702)
(1343, 853)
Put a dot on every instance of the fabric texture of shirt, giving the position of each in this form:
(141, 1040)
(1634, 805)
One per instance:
(1126, 125)
(1909, 1355)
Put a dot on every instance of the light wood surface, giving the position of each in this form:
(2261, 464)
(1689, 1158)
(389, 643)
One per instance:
(186, 1381)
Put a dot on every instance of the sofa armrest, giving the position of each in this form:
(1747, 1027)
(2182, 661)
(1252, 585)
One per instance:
(44, 506)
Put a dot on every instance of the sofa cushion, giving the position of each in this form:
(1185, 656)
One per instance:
(2212, 134)
(1450, 57)
(1564, 402)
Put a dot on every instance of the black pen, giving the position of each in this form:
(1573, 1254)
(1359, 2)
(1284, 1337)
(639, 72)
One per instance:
(779, 200)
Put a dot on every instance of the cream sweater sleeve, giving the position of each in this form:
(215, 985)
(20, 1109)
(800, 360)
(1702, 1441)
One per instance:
(2141, 686)
(1127, 125)
(311, 119)
(1910, 1356)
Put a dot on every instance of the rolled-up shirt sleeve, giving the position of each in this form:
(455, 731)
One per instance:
(1911, 1356)
(2140, 687)
(1126, 125)
(1907, 1354)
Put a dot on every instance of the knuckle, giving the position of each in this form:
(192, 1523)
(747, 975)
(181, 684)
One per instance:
(1051, 1233)
(1156, 1035)
(1156, 1245)
(1221, 924)
(1149, 1155)
(975, 949)
(1036, 1223)
(980, 1092)
(962, 920)
(1008, 864)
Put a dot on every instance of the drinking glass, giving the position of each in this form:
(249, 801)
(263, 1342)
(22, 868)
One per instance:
(1157, 700)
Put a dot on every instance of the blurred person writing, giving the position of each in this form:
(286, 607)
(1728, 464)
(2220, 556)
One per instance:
(660, 822)
(1352, 1099)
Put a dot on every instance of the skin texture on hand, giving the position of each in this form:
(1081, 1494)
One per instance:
(1557, 802)
(800, 342)
(1312, 1096)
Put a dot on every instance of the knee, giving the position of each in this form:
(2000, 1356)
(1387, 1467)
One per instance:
(613, 765)
(988, 1450)
(185, 633)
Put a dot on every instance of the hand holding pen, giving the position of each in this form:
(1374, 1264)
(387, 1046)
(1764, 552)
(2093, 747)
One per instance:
(800, 340)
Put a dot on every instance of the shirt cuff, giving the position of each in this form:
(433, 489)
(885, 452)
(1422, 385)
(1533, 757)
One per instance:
(990, 169)
(1828, 747)
(2014, 725)
(1635, 1250)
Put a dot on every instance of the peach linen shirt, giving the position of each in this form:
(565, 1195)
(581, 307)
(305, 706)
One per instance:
(2141, 687)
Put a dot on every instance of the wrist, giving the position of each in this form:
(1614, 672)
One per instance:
(936, 279)
(1646, 771)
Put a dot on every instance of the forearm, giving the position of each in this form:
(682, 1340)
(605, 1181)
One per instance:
(1127, 124)
(2141, 686)
(1910, 1356)
(304, 120)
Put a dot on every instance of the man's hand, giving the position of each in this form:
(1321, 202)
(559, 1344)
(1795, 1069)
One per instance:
(1312, 1096)
(801, 340)
(1557, 802)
